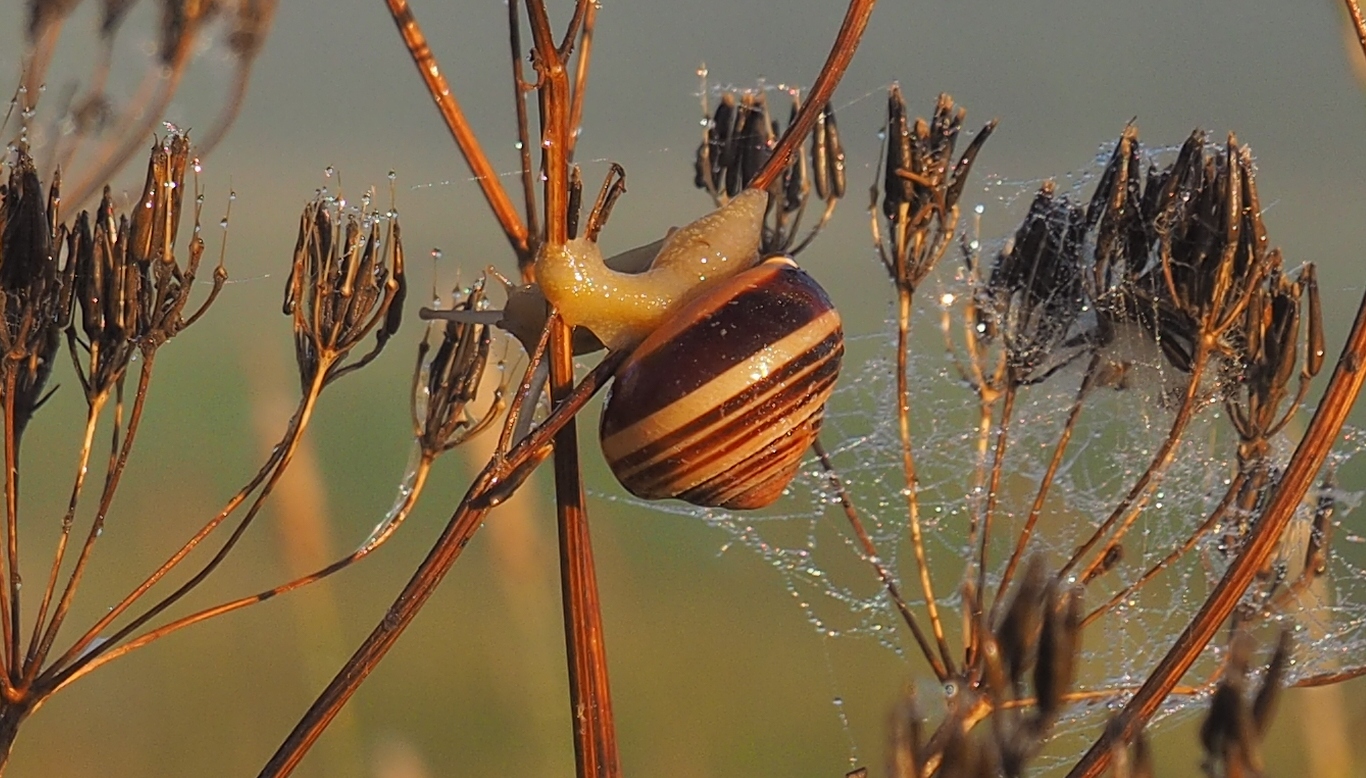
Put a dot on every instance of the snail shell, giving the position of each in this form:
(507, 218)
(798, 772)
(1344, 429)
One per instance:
(718, 405)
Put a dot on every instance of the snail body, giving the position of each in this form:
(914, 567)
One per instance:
(621, 308)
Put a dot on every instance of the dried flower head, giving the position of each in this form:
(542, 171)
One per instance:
(35, 293)
(347, 280)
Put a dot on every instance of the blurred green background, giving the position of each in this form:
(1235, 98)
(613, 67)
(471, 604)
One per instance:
(714, 670)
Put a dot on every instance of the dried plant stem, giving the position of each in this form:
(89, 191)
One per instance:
(501, 475)
(519, 91)
(875, 559)
(903, 414)
(841, 54)
(581, 65)
(450, 111)
(83, 459)
(993, 490)
(1045, 484)
(419, 480)
(265, 478)
(1129, 508)
(1337, 401)
(1216, 516)
(10, 603)
(595, 746)
(118, 455)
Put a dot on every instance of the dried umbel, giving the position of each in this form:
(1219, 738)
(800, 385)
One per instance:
(347, 280)
(131, 287)
(35, 291)
(446, 386)
(738, 141)
(921, 185)
(1033, 296)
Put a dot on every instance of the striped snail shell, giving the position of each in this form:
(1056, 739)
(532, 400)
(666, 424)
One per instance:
(733, 362)
(718, 406)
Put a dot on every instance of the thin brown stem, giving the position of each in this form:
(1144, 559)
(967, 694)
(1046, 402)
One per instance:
(118, 461)
(460, 130)
(390, 524)
(871, 554)
(276, 462)
(83, 460)
(1343, 389)
(903, 337)
(994, 490)
(581, 63)
(841, 54)
(1209, 523)
(499, 478)
(1045, 484)
(519, 90)
(9, 600)
(1128, 509)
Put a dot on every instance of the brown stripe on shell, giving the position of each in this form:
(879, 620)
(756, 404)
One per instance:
(723, 328)
(799, 382)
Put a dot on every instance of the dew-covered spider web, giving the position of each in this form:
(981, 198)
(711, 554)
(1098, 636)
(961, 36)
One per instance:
(807, 539)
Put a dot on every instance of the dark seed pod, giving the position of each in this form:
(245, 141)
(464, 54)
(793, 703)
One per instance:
(718, 406)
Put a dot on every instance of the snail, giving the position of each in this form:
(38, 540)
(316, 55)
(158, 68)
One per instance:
(733, 358)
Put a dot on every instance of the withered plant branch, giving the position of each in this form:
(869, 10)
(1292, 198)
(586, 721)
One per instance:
(581, 64)
(499, 478)
(519, 90)
(841, 54)
(1343, 389)
(10, 600)
(264, 479)
(875, 559)
(113, 475)
(1129, 508)
(1045, 484)
(449, 108)
(912, 480)
(392, 523)
(83, 459)
(595, 747)
(1216, 516)
(994, 488)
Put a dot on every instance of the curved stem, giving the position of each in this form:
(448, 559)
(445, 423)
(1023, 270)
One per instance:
(841, 54)
(79, 669)
(499, 478)
(1129, 508)
(449, 108)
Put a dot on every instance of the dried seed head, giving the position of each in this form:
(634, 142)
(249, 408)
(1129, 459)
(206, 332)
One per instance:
(921, 185)
(1018, 632)
(131, 288)
(1034, 295)
(445, 387)
(347, 280)
(740, 138)
(34, 290)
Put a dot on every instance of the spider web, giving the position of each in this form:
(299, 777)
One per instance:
(807, 540)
